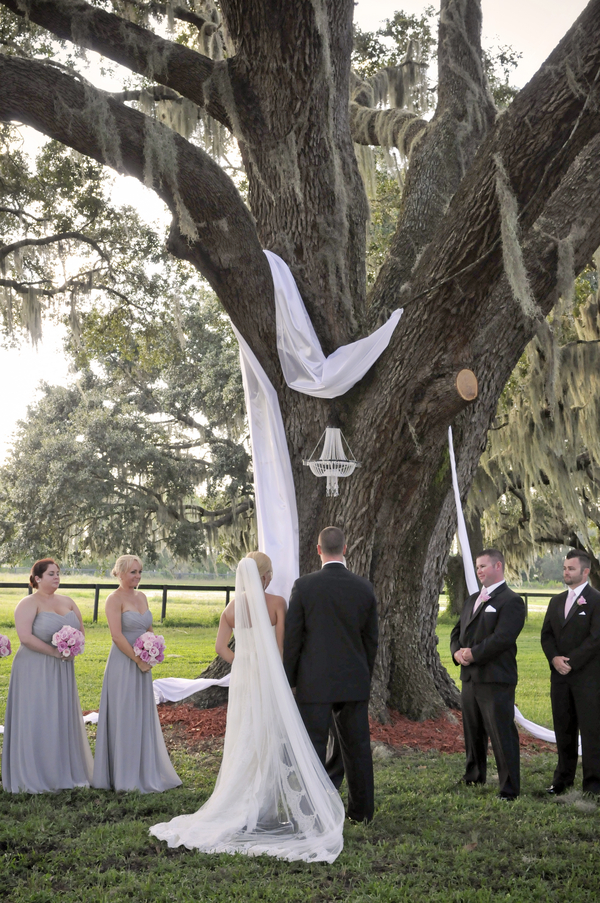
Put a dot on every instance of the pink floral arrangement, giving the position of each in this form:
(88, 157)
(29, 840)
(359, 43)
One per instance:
(69, 641)
(150, 648)
(4, 646)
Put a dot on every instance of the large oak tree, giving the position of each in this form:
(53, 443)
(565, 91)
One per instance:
(498, 213)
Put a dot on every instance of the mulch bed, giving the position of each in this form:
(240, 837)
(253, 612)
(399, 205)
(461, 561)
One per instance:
(444, 733)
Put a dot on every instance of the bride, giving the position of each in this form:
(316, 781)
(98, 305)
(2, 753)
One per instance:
(272, 794)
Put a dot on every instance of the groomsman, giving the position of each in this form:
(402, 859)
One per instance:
(483, 643)
(329, 651)
(571, 642)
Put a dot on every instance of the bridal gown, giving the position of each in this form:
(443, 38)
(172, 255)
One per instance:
(272, 794)
(130, 749)
(45, 745)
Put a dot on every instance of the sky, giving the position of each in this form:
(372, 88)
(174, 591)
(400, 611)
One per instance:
(533, 27)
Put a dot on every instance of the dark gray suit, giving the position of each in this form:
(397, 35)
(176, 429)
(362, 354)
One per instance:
(488, 685)
(329, 652)
(575, 696)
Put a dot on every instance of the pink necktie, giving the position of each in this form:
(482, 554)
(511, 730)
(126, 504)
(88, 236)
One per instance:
(571, 596)
(482, 597)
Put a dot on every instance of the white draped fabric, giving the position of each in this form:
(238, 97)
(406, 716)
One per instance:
(536, 730)
(174, 689)
(461, 529)
(307, 370)
(272, 794)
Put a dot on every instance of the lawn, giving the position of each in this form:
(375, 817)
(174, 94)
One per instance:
(430, 839)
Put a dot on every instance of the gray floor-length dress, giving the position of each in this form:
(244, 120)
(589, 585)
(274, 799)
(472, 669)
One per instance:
(45, 746)
(130, 750)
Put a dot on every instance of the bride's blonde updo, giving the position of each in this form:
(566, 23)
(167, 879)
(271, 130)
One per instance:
(123, 564)
(263, 562)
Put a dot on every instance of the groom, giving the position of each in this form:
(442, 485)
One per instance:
(329, 652)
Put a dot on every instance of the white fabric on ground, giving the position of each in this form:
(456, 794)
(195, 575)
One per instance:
(174, 689)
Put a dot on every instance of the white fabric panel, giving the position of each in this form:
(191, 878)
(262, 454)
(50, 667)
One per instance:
(174, 689)
(275, 496)
(304, 366)
(306, 370)
(463, 539)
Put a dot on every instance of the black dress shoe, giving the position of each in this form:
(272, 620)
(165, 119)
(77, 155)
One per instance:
(505, 798)
(556, 789)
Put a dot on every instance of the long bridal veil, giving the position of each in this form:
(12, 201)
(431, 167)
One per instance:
(272, 794)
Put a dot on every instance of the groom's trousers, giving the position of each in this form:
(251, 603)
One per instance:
(351, 720)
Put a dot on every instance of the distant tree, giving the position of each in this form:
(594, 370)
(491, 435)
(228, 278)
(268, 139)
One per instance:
(133, 460)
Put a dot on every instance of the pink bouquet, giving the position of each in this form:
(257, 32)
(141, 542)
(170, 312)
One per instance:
(4, 646)
(150, 648)
(69, 641)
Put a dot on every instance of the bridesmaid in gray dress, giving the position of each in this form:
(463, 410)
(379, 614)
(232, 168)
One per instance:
(45, 745)
(130, 750)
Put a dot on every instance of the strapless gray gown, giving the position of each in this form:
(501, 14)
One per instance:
(130, 749)
(45, 746)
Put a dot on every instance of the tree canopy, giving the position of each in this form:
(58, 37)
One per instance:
(498, 213)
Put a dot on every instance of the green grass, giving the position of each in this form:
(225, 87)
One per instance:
(533, 690)
(429, 841)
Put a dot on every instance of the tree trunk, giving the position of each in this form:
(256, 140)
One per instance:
(455, 585)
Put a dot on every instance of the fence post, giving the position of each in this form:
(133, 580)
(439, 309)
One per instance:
(227, 597)
(96, 601)
(163, 613)
(29, 590)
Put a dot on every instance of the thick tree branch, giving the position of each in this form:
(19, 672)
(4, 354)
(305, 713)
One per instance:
(534, 142)
(24, 288)
(385, 128)
(5, 250)
(444, 149)
(17, 211)
(139, 49)
(178, 12)
(211, 225)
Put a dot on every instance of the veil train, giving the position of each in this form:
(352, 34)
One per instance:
(272, 794)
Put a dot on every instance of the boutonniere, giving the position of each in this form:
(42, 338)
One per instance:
(581, 600)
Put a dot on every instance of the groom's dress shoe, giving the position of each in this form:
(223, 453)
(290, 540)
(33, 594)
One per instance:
(556, 789)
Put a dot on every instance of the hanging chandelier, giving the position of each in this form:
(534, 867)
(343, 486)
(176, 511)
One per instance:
(333, 462)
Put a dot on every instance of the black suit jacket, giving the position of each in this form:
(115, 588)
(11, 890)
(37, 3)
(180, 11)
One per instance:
(577, 638)
(491, 635)
(331, 636)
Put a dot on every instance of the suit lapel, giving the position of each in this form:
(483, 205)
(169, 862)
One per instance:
(483, 605)
(575, 608)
